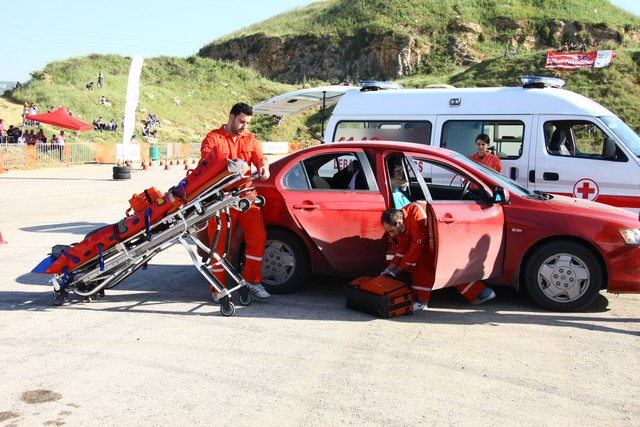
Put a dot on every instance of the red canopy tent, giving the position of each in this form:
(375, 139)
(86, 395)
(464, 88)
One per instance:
(60, 118)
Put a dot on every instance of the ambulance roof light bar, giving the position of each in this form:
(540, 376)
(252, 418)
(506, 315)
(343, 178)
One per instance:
(541, 82)
(369, 85)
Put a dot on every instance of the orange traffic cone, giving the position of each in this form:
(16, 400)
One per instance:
(2, 242)
(161, 163)
(166, 166)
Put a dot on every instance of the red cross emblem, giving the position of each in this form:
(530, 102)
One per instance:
(586, 189)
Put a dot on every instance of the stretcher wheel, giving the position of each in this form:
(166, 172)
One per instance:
(228, 309)
(60, 297)
(243, 205)
(244, 299)
(260, 201)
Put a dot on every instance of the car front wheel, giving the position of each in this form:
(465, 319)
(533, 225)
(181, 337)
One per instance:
(563, 276)
(285, 263)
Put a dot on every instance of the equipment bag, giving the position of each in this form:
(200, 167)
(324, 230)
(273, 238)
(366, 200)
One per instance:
(381, 296)
(140, 201)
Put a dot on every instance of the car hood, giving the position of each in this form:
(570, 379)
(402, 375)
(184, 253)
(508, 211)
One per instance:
(590, 208)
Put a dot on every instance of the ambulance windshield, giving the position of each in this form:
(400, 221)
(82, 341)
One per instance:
(624, 133)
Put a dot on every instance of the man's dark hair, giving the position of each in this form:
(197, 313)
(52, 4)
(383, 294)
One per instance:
(242, 108)
(392, 216)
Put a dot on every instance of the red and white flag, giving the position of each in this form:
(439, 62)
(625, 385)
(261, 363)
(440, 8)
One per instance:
(574, 60)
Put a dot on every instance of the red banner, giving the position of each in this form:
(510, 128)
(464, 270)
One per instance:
(594, 59)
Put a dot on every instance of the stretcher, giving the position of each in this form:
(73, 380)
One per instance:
(155, 222)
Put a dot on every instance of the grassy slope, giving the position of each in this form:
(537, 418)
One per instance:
(206, 89)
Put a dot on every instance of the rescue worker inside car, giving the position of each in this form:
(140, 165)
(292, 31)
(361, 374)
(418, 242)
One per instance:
(409, 229)
(235, 142)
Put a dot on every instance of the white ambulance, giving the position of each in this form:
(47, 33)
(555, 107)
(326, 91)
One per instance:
(548, 139)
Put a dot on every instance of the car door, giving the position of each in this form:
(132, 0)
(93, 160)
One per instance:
(340, 213)
(466, 228)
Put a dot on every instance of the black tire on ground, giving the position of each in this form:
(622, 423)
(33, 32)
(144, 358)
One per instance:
(121, 175)
(285, 264)
(121, 169)
(563, 276)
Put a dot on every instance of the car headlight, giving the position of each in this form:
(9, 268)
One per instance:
(631, 236)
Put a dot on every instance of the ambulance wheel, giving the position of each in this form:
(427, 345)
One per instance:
(244, 205)
(260, 201)
(563, 276)
(228, 309)
(60, 297)
(244, 299)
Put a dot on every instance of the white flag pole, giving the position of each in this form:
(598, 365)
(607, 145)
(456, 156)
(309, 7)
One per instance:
(131, 103)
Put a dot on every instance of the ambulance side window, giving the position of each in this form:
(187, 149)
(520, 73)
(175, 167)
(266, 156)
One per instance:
(506, 136)
(418, 131)
(580, 139)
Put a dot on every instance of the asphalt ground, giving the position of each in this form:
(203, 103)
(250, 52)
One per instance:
(156, 351)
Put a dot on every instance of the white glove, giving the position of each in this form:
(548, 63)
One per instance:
(388, 272)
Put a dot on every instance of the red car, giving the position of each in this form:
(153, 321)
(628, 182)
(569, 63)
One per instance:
(323, 216)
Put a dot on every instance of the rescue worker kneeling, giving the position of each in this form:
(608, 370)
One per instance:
(408, 227)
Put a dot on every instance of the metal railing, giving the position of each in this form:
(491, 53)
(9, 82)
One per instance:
(16, 155)
(13, 155)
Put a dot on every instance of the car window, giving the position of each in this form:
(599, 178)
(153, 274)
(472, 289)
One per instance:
(327, 171)
(445, 182)
(296, 178)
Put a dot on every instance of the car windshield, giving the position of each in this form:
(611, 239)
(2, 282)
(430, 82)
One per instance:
(503, 181)
(624, 133)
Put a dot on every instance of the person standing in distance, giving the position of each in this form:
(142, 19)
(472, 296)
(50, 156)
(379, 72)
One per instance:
(485, 157)
(235, 142)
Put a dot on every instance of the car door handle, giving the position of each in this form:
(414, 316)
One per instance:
(550, 176)
(306, 206)
(448, 220)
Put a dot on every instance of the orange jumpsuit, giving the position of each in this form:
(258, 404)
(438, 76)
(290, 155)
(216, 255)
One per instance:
(414, 255)
(490, 160)
(246, 147)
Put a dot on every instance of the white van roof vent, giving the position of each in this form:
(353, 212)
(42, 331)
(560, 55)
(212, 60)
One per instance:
(368, 85)
(541, 82)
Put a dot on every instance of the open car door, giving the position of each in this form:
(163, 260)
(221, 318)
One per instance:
(467, 228)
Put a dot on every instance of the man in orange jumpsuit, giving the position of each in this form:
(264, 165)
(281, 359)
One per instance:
(235, 142)
(409, 227)
(485, 157)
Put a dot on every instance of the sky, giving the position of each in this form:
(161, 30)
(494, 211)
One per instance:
(43, 31)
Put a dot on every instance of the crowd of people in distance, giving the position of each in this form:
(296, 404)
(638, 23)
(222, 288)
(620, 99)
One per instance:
(15, 135)
(572, 47)
(100, 125)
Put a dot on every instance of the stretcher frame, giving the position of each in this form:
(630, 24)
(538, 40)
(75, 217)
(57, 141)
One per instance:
(181, 226)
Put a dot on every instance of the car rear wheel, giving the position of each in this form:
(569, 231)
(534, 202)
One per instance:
(285, 264)
(563, 276)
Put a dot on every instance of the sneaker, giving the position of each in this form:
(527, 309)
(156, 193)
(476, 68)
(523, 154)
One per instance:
(417, 306)
(487, 294)
(214, 297)
(257, 290)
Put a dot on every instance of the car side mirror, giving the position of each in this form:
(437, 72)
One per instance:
(499, 196)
